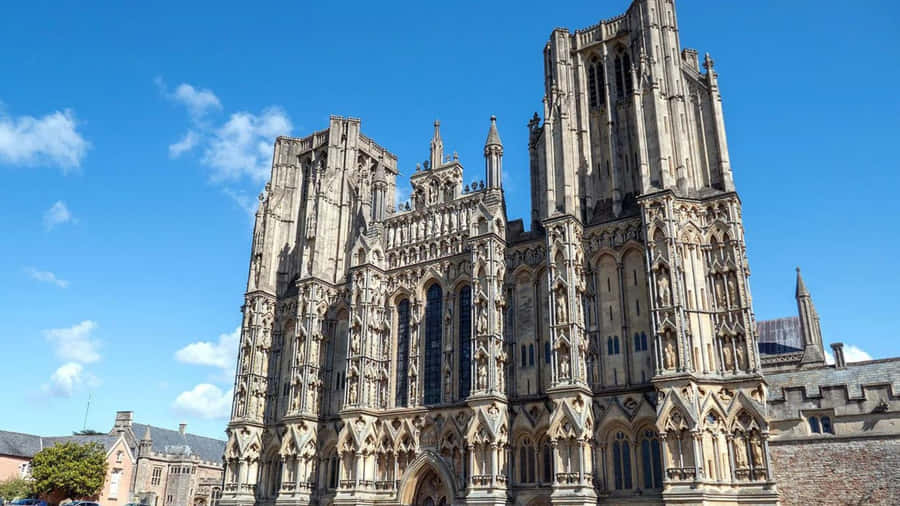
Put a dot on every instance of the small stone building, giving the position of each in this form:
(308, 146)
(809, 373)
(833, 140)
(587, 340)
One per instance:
(173, 467)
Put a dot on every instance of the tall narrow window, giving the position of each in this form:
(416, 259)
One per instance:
(433, 312)
(609, 346)
(548, 465)
(621, 454)
(465, 336)
(616, 344)
(651, 462)
(629, 85)
(402, 398)
(592, 84)
(522, 357)
(637, 342)
(531, 354)
(643, 341)
(546, 352)
(826, 425)
(620, 83)
(814, 425)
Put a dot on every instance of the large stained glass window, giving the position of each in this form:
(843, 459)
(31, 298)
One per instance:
(465, 345)
(402, 398)
(433, 312)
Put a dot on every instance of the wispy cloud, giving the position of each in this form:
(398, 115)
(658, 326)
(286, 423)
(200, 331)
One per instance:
(244, 200)
(186, 143)
(75, 343)
(57, 215)
(204, 401)
(238, 149)
(46, 277)
(51, 140)
(67, 378)
(221, 353)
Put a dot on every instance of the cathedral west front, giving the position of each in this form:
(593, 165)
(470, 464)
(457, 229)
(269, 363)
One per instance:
(602, 351)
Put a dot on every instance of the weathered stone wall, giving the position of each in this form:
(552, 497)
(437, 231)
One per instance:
(838, 472)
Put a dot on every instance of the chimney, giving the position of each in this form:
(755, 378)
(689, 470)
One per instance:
(123, 420)
(181, 427)
(839, 361)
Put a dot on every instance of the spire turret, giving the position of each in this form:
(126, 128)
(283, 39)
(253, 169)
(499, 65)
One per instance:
(813, 350)
(437, 147)
(493, 156)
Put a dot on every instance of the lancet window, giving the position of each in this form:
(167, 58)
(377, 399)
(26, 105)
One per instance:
(433, 311)
(595, 78)
(651, 460)
(465, 337)
(621, 457)
(402, 398)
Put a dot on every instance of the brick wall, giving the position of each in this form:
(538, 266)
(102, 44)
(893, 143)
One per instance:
(838, 472)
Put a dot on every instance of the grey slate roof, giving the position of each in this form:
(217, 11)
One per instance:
(854, 377)
(26, 445)
(16, 444)
(781, 335)
(169, 441)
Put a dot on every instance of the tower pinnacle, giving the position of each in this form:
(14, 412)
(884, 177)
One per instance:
(437, 147)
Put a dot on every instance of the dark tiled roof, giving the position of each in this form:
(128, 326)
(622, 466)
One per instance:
(26, 445)
(853, 377)
(16, 444)
(172, 441)
(782, 335)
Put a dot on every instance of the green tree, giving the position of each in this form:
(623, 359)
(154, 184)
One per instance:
(72, 469)
(14, 488)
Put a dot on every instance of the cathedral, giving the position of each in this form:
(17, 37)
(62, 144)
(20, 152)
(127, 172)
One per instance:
(439, 353)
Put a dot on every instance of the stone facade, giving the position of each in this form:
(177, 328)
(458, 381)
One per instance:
(441, 354)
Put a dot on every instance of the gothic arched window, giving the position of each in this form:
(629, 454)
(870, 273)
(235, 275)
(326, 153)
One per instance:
(620, 82)
(402, 399)
(609, 345)
(548, 465)
(531, 354)
(651, 460)
(465, 336)
(626, 63)
(826, 425)
(523, 358)
(616, 344)
(433, 312)
(621, 455)
(595, 78)
(814, 425)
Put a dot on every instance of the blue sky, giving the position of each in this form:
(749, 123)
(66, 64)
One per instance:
(134, 138)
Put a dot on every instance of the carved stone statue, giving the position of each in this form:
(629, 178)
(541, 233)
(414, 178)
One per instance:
(564, 365)
(482, 374)
(482, 318)
(740, 452)
(756, 447)
(669, 353)
(720, 291)
(561, 309)
(663, 293)
(732, 290)
(500, 376)
(740, 363)
(727, 356)
(448, 384)
(353, 390)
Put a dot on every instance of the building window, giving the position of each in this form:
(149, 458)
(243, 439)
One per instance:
(546, 352)
(609, 345)
(114, 480)
(621, 455)
(402, 398)
(522, 357)
(531, 355)
(651, 460)
(333, 473)
(169, 499)
(433, 312)
(820, 425)
(596, 95)
(156, 477)
(616, 344)
(215, 496)
(548, 465)
(465, 337)
(643, 341)
(119, 457)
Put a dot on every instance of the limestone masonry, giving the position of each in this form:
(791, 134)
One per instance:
(441, 354)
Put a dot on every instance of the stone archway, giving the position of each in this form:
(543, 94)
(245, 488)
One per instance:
(427, 481)
(431, 490)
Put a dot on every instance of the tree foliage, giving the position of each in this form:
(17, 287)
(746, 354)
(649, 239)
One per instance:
(87, 432)
(14, 488)
(74, 470)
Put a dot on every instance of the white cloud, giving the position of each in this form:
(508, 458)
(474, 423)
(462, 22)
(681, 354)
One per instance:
(852, 353)
(46, 277)
(67, 378)
(186, 143)
(243, 200)
(49, 140)
(243, 145)
(221, 354)
(57, 215)
(204, 401)
(75, 343)
(199, 102)
(240, 147)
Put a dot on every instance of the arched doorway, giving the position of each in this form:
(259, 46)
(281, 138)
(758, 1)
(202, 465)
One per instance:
(427, 481)
(431, 490)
